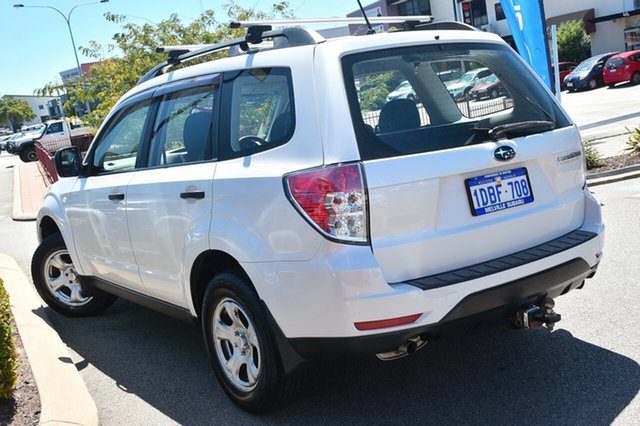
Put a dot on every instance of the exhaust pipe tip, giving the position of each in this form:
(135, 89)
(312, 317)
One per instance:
(410, 346)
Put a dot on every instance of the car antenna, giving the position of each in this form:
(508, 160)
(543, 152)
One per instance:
(366, 19)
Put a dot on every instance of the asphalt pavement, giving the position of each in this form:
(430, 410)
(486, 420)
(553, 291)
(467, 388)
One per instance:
(141, 367)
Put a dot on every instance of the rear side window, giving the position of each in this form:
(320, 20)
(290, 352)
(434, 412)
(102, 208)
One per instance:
(257, 112)
(402, 101)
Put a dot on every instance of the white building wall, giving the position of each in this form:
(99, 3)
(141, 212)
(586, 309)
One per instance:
(442, 10)
(609, 35)
(38, 105)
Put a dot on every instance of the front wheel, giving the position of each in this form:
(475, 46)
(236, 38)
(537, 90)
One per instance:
(29, 155)
(593, 84)
(58, 283)
(241, 347)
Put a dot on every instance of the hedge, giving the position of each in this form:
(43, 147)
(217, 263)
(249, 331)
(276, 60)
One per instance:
(8, 359)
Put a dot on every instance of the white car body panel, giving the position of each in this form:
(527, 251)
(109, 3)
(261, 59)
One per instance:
(419, 215)
(167, 232)
(100, 229)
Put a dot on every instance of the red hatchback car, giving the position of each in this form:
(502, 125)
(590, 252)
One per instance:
(565, 69)
(622, 67)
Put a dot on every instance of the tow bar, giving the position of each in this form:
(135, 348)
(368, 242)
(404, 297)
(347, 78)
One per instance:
(536, 316)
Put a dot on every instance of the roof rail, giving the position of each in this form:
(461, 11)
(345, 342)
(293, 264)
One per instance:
(447, 25)
(285, 37)
(323, 21)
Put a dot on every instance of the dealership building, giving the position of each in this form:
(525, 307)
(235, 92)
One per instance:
(613, 25)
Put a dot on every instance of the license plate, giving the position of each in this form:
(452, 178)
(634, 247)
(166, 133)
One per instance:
(569, 84)
(612, 70)
(499, 191)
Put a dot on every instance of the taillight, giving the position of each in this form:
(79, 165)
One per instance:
(333, 199)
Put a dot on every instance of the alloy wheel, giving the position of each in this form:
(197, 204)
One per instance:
(62, 279)
(236, 344)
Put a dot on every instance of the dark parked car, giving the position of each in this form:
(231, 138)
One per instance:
(622, 67)
(588, 75)
(488, 87)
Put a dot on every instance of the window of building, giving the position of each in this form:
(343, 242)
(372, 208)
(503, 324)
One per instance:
(479, 12)
(40, 106)
(499, 12)
(414, 7)
(632, 39)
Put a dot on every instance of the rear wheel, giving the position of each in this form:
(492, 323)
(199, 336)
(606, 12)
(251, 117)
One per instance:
(58, 283)
(635, 78)
(241, 347)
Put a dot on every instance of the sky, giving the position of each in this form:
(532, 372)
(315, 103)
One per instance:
(37, 45)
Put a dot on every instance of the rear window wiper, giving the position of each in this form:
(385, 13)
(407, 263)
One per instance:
(495, 132)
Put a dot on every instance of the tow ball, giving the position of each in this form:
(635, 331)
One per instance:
(536, 316)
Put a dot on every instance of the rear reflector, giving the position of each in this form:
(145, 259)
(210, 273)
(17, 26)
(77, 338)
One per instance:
(386, 323)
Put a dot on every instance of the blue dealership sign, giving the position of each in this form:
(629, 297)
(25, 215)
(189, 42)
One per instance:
(526, 22)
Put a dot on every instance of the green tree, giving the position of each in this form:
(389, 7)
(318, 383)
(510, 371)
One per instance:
(14, 112)
(574, 44)
(114, 75)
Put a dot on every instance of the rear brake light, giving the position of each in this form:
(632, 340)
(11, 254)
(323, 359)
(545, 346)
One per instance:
(333, 200)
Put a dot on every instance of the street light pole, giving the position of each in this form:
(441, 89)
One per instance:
(67, 19)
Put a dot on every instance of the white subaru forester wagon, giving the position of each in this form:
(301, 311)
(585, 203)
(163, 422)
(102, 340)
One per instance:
(276, 197)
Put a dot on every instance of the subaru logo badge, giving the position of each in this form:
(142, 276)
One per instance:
(504, 153)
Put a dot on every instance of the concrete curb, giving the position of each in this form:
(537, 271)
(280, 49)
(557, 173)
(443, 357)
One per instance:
(63, 395)
(17, 212)
(614, 176)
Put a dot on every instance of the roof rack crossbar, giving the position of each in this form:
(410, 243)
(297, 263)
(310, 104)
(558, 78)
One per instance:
(180, 54)
(255, 35)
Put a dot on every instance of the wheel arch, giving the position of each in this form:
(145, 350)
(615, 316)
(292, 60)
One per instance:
(47, 227)
(206, 266)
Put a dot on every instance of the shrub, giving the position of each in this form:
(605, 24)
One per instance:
(592, 155)
(8, 359)
(574, 44)
(634, 141)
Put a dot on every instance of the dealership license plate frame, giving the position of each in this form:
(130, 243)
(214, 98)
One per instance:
(504, 176)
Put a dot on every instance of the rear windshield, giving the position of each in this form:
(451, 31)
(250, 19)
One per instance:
(401, 105)
(615, 62)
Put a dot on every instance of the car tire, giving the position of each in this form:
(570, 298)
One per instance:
(58, 282)
(493, 94)
(635, 78)
(592, 84)
(29, 155)
(234, 326)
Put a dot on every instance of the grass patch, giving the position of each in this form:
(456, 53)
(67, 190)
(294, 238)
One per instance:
(8, 358)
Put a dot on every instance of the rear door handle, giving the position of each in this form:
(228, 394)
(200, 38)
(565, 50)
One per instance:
(118, 196)
(194, 195)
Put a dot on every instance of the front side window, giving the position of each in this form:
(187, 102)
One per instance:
(182, 129)
(402, 101)
(117, 150)
(258, 113)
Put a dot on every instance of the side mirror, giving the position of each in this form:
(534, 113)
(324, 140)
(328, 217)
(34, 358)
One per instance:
(68, 162)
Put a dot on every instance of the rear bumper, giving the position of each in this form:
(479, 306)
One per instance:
(617, 77)
(488, 306)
